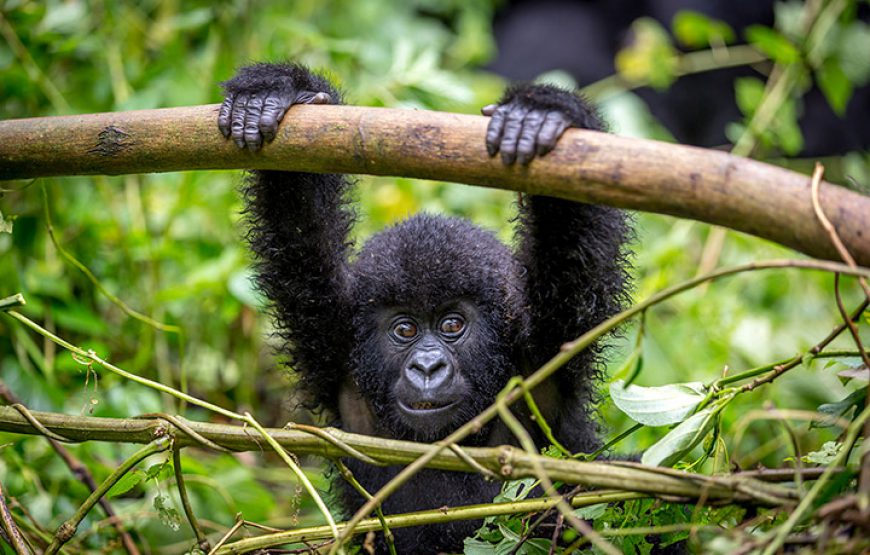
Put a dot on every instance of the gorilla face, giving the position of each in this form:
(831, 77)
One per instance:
(430, 386)
(428, 372)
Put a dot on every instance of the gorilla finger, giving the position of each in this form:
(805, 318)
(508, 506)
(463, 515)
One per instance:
(274, 108)
(237, 120)
(253, 113)
(494, 129)
(224, 115)
(512, 129)
(529, 135)
(554, 125)
(311, 97)
(489, 109)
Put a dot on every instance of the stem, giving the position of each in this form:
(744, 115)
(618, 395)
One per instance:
(9, 531)
(379, 513)
(201, 539)
(306, 483)
(14, 301)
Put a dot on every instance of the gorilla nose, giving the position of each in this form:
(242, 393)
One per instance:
(428, 369)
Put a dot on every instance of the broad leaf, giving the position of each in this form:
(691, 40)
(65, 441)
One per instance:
(835, 86)
(772, 44)
(841, 408)
(679, 441)
(658, 406)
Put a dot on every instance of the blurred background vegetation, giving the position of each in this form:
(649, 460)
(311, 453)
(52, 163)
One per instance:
(171, 246)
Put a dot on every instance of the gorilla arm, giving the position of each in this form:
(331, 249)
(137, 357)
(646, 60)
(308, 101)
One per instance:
(299, 224)
(572, 253)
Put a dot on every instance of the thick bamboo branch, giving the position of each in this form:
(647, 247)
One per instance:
(507, 462)
(688, 182)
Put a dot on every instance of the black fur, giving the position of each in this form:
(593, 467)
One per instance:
(567, 275)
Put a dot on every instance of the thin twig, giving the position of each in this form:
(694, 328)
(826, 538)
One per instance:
(11, 533)
(13, 301)
(239, 523)
(179, 423)
(850, 324)
(781, 368)
(480, 469)
(379, 513)
(300, 474)
(25, 412)
(538, 418)
(829, 227)
(325, 435)
(201, 539)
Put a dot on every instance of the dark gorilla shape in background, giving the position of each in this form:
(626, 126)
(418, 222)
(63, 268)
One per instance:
(582, 38)
(421, 329)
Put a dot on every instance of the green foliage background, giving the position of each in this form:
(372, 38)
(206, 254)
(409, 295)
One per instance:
(171, 245)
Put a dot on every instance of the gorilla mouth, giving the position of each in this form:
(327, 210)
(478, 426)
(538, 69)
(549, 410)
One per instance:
(425, 406)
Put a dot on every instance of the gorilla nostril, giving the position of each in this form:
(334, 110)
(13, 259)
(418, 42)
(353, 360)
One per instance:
(428, 369)
(428, 362)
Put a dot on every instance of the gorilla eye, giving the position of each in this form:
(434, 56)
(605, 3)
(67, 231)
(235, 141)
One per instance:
(405, 330)
(452, 325)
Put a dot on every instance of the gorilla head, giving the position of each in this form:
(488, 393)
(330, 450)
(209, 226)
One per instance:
(439, 313)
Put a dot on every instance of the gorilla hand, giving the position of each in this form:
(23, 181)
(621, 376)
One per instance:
(529, 120)
(256, 101)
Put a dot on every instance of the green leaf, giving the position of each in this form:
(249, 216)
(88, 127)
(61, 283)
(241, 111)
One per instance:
(835, 86)
(535, 546)
(696, 30)
(591, 512)
(852, 52)
(841, 408)
(658, 406)
(772, 44)
(650, 57)
(127, 482)
(515, 490)
(169, 516)
(5, 225)
(473, 546)
(159, 470)
(826, 455)
(679, 441)
(787, 131)
(748, 93)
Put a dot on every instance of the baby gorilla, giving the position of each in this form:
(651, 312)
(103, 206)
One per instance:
(421, 329)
